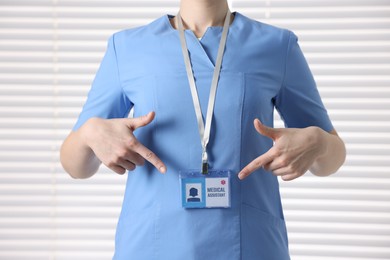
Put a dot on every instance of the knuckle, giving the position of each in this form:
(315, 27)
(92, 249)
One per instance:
(122, 153)
(131, 167)
(149, 155)
(245, 171)
(285, 159)
(284, 162)
(299, 172)
(250, 168)
(294, 176)
(132, 142)
(138, 161)
(278, 151)
(295, 167)
(111, 164)
(116, 159)
(121, 171)
(256, 164)
(141, 161)
(290, 168)
(267, 167)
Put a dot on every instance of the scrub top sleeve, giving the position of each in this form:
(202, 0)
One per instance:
(298, 101)
(106, 98)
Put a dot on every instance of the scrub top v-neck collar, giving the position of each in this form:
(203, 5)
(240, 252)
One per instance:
(203, 45)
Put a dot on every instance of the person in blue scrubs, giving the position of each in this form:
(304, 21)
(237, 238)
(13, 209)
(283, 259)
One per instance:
(262, 68)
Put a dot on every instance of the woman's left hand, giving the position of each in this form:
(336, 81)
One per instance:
(294, 151)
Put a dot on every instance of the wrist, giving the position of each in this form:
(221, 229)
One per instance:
(320, 141)
(87, 131)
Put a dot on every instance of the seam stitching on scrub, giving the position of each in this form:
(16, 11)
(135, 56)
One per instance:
(155, 105)
(282, 86)
(124, 96)
(243, 85)
(285, 59)
(157, 207)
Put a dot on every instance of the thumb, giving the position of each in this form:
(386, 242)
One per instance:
(273, 133)
(136, 122)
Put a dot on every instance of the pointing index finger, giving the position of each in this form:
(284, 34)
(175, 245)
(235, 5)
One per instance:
(151, 157)
(257, 163)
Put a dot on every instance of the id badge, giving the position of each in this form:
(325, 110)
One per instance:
(210, 190)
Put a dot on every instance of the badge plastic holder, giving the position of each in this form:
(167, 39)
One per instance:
(211, 190)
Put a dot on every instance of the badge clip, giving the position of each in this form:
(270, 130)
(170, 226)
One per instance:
(205, 165)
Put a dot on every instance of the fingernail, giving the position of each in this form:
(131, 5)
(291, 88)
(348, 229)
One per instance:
(162, 169)
(240, 176)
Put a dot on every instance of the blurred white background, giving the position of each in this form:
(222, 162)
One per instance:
(49, 53)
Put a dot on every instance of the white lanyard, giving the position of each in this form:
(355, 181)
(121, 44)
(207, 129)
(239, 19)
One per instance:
(204, 132)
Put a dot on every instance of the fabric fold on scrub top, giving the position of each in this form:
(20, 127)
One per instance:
(263, 68)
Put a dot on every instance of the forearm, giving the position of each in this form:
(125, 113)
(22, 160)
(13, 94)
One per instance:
(333, 156)
(77, 158)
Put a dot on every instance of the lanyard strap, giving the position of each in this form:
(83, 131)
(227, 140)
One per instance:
(204, 133)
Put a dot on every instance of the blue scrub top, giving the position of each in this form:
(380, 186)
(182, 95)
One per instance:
(263, 68)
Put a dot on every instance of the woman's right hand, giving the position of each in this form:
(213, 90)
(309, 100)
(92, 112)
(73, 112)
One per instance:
(114, 144)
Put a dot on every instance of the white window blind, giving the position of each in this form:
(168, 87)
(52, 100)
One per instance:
(49, 53)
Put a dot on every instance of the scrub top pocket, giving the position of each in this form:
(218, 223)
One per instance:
(261, 232)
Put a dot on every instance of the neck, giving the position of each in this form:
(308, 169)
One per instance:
(197, 15)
